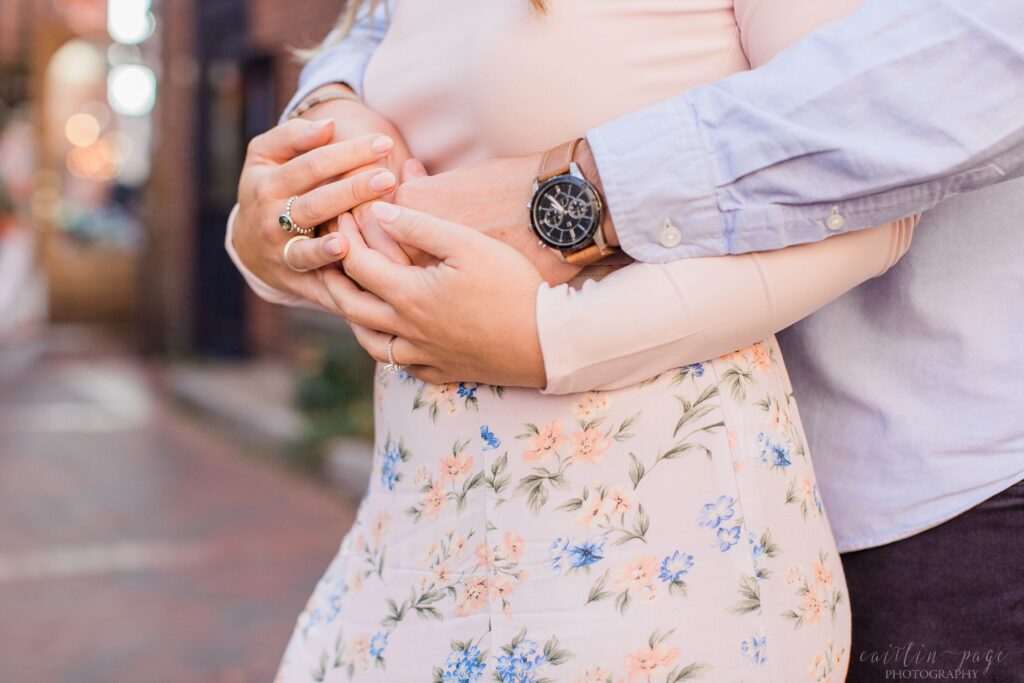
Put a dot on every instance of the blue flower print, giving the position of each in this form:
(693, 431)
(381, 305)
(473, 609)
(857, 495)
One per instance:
(467, 390)
(389, 466)
(586, 553)
(817, 500)
(566, 554)
(772, 453)
(490, 440)
(334, 606)
(675, 566)
(697, 369)
(780, 455)
(557, 553)
(756, 549)
(713, 514)
(464, 665)
(520, 665)
(378, 642)
(754, 650)
(727, 538)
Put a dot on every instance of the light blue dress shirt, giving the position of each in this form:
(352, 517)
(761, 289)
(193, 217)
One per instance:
(912, 386)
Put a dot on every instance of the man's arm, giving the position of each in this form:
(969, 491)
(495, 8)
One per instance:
(876, 117)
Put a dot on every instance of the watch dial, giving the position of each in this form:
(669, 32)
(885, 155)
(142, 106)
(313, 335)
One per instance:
(566, 211)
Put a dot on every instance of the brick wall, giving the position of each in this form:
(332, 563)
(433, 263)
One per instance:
(168, 260)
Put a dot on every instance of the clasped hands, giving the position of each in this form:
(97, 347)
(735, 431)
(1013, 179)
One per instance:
(446, 263)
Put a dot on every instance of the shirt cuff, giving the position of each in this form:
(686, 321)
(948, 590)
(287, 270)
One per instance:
(553, 342)
(343, 63)
(258, 286)
(658, 183)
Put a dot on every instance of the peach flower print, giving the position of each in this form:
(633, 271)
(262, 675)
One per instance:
(593, 508)
(589, 446)
(794, 577)
(639, 574)
(545, 442)
(512, 544)
(458, 545)
(380, 526)
(455, 466)
(434, 500)
(501, 587)
(812, 608)
(593, 674)
(591, 404)
(648, 661)
(620, 501)
(442, 574)
(484, 556)
(473, 597)
(822, 574)
(358, 652)
(761, 358)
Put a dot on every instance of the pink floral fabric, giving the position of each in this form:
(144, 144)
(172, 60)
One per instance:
(668, 531)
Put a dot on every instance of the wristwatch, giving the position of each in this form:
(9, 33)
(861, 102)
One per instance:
(566, 210)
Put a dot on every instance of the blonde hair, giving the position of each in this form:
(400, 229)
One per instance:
(350, 14)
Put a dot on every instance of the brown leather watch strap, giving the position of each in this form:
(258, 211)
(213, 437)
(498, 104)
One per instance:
(556, 161)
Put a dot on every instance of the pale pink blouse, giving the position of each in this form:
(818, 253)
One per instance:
(506, 82)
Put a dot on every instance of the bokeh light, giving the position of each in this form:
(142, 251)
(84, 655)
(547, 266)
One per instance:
(82, 130)
(129, 21)
(131, 89)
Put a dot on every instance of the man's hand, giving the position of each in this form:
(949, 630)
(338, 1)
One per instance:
(490, 196)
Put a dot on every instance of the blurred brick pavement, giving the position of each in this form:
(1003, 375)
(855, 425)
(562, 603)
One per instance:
(135, 547)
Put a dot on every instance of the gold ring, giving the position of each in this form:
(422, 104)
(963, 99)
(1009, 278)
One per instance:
(287, 246)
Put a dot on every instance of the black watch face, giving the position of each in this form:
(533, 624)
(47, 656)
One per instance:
(566, 212)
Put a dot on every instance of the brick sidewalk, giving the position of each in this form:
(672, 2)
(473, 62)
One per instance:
(136, 548)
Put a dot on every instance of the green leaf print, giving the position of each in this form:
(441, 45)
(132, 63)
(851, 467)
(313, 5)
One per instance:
(696, 410)
(737, 380)
(687, 673)
(750, 596)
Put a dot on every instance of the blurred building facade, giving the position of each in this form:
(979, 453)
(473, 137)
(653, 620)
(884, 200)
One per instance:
(130, 210)
(229, 69)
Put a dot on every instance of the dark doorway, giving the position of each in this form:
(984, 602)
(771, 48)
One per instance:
(219, 304)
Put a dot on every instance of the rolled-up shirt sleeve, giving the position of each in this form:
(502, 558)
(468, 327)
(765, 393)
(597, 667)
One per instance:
(344, 60)
(877, 116)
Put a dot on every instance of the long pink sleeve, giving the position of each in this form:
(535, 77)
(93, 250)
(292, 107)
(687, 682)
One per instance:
(646, 318)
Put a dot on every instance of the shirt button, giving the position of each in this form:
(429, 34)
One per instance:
(835, 220)
(670, 235)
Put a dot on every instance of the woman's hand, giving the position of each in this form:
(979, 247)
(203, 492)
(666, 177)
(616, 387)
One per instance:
(469, 317)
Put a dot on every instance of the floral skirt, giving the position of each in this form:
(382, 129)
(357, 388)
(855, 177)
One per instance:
(668, 531)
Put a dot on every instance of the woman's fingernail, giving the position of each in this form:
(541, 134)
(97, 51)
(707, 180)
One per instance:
(385, 212)
(333, 246)
(318, 126)
(382, 182)
(382, 144)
